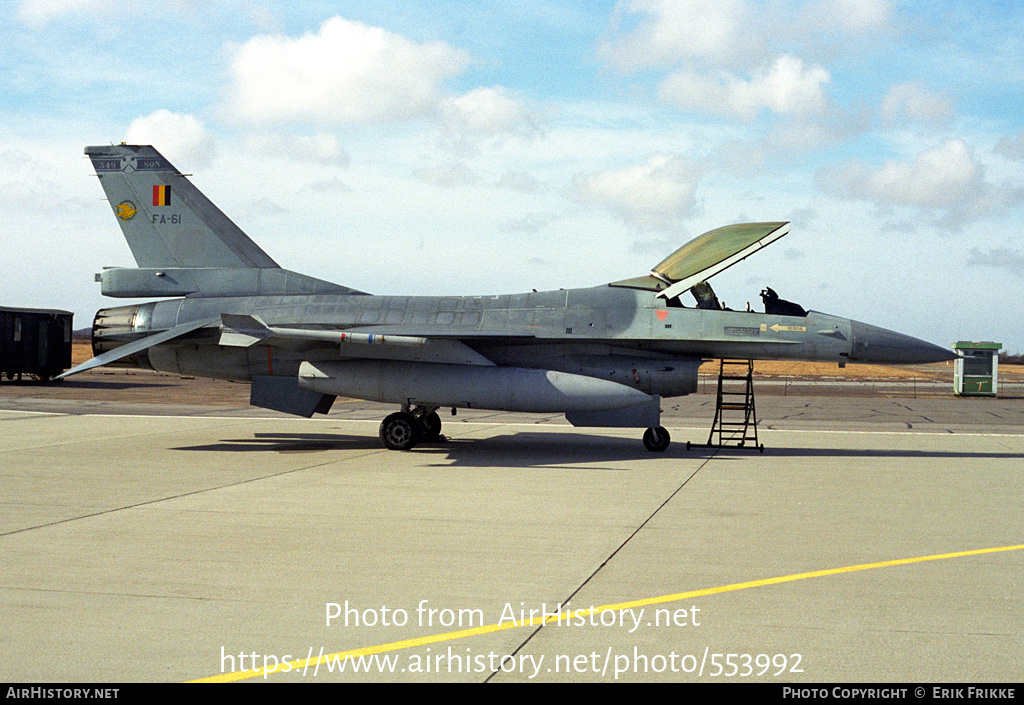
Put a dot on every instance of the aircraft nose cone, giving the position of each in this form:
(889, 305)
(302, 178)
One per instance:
(874, 344)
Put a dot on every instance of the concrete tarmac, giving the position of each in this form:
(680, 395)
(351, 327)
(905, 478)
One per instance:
(141, 539)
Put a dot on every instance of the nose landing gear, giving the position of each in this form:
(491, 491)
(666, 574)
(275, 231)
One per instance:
(656, 439)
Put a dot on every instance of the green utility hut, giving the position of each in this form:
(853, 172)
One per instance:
(975, 373)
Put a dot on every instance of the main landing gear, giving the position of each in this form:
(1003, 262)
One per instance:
(404, 429)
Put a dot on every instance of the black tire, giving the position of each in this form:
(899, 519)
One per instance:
(399, 431)
(430, 427)
(657, 439)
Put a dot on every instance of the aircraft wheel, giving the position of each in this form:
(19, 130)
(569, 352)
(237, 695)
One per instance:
(430, 427)
(656, 439)
(398, 431)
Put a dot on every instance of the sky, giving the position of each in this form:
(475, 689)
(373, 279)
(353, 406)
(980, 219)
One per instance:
(483, 147)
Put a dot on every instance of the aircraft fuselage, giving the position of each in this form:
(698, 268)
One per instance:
(577, 330)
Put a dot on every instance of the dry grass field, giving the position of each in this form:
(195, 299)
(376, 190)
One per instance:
(81, 350)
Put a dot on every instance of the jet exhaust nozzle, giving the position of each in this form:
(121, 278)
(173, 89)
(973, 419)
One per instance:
(114, 327)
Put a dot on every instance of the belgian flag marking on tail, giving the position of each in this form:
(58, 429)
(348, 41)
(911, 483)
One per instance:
(161, 195)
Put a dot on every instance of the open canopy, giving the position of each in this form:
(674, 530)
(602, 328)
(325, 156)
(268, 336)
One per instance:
(707, 255)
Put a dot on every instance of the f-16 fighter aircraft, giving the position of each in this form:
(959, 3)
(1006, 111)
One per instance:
(604, 356)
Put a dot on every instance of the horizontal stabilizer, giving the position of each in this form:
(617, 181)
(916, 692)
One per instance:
(130, 282)
(137, 346)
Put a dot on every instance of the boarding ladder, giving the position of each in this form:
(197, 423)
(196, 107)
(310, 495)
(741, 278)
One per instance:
(738, 427)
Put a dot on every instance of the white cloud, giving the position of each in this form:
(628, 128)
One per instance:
(936, 177)
(655, 195)
(998, 258)
(913, 102)
(945, 180)
(735, 33)
(263, 207)
(320, 148)
(519, 181)
(1011, 147)
(786, 87)
(529, 224)
(491, 114)
(33, 185)
(347, 72)
(326, 187)
(38, 13)
(448, 174)
(180, 138)
(853, 16)
(673, 30)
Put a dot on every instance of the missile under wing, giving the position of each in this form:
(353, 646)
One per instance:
(604, 356)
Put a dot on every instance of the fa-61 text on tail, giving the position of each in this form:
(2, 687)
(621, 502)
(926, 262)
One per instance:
(603, 356)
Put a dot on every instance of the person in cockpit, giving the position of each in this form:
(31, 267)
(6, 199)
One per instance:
(780, 307)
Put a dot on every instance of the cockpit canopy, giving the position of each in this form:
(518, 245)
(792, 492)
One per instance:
(705, 256)
(689, 267)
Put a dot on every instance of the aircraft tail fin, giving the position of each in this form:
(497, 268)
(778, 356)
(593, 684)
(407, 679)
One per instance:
(183, 244)
(166, 220)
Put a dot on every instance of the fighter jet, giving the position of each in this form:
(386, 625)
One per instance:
(604, 356)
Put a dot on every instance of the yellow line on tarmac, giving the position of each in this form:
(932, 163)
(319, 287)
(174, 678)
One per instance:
(305, 664)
